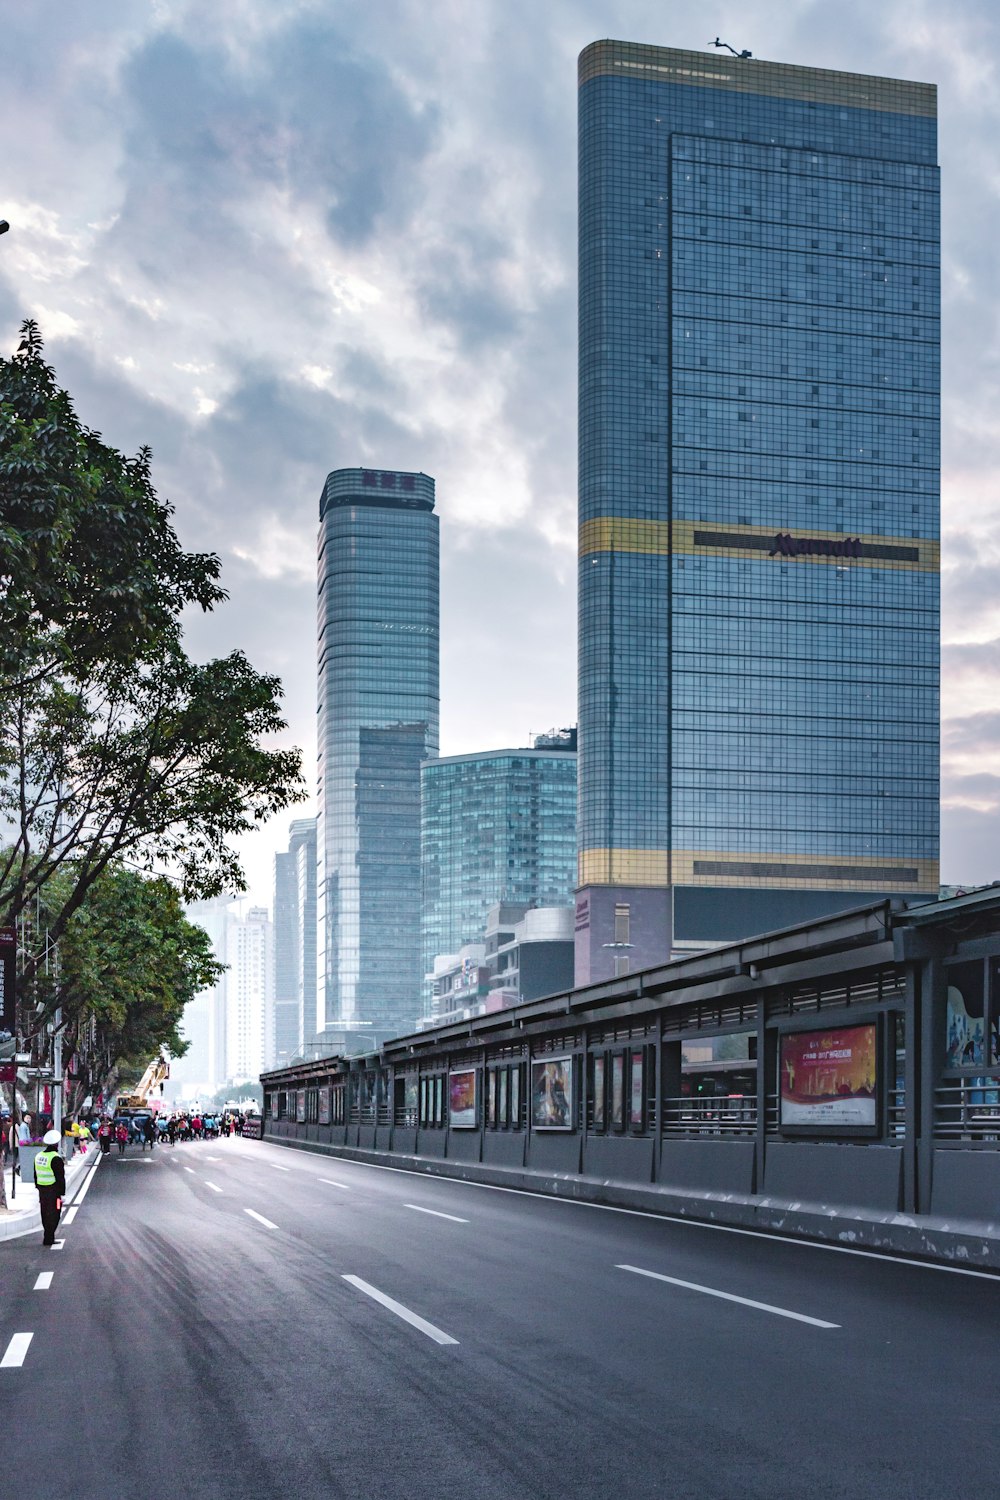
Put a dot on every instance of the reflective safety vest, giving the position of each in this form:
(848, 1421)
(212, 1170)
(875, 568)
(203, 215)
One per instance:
(44, 1175)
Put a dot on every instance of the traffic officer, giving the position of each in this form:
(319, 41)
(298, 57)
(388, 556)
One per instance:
(50, 1180)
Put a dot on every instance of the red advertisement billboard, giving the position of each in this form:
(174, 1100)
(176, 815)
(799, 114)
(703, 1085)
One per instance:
(829, 1079)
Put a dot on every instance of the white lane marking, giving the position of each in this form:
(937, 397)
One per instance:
(71, 1213)
(58, 1244)
(407, 1316)
(330, 1183)
(13, 1355)
(711, 1291)
(79, 1197)
(274, 1164)
(438, 1215)
(260, 1218)
(775, 1236)
(212, 1186)
(213, 1158)
(189, 1169)
(143, 1160)
(44, 1281)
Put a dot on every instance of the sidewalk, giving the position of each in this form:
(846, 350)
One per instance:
(24, 1217)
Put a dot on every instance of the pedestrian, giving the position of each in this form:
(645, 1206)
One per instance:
(105, 1135)
(50, 1180)
(23, 1137)
(148, 1133)
(121, 1136)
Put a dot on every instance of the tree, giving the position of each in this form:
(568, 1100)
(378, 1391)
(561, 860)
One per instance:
(127, 964)
(113, 743)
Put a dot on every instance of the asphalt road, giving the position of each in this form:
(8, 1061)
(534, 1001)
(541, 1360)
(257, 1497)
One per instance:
(534, 1349)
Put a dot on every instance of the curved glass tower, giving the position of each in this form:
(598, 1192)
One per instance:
(759, 509)
(377, 720)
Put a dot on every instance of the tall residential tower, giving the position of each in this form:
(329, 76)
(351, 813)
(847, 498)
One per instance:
(378, 719)
(759, 511)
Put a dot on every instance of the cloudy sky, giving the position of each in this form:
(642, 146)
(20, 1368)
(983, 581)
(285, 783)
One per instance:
(275, 237)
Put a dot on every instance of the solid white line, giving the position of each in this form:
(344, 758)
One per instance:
(260, 1218)
(44, 1281)
(711, 1291)
(330, 1183)
(13, 1356)
(437, 1214)
(88, 1179)
(774, 1236)
(401, 1312)
(212, 1186)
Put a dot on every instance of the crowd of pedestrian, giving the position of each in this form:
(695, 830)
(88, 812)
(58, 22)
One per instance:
(141, 1129)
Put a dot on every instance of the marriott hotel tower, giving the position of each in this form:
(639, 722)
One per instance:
(759, 506)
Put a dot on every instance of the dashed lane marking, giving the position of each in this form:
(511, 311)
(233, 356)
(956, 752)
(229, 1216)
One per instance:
(330, 1183)
(212, 1186)
(71, 1213)
(408, 1316)
(711, 1291)
(13, 1355)
(44, 1281)
(436, 1213)
(260, 1218)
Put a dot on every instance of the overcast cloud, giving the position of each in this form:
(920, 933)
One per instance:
(276, 237)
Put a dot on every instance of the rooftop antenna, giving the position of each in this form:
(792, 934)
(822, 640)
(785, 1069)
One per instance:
(718, 43)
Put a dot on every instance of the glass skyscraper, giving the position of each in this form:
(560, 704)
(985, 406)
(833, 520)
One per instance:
(759, 506)
(377, 720)
(499, 826)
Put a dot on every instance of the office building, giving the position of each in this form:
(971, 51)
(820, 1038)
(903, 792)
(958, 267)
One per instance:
(378, 719)
(498, 826)
(295, 941)
(759, 509)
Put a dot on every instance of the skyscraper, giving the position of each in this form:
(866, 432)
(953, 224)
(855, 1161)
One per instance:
(295, 942)
(495, 826)
(249, 994)
(378, 719)
(759, 512)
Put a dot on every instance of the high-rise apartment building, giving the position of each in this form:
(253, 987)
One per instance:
(249, 995)
(495, 826)
(759, 510)
(295, 942)
(378, 719)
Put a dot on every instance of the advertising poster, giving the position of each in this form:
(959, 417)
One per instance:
(635, 1114)
(618, 1091)
(515, 1098)
(552, 1094)
(324, 1106)
(502, 1120)
(300, 1107)
(599, 1093)
(410, 1100)
(462, 1099)
(828, 1078)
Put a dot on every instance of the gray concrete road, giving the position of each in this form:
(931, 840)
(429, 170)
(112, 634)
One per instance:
(235, 1319)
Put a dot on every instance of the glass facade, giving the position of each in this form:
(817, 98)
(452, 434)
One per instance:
(378, 633)
(498, 826)
(759, 487)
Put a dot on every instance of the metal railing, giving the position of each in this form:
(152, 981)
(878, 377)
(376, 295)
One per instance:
(726, 1115)
(968, 1109)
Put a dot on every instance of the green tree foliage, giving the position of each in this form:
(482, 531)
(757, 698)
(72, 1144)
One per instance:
(113, 743)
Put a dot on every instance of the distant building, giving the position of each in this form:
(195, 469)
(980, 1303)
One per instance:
(378, 719)
(249, 994)
(202, 1069)
(759, 353)
(531, 956)
(497, 826)
(295, 942)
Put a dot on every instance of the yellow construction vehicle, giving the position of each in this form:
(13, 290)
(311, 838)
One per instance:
(157, 1071)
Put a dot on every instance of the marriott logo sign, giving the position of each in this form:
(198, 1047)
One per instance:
(786, 545)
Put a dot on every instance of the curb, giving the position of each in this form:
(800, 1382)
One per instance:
(17, 1222)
